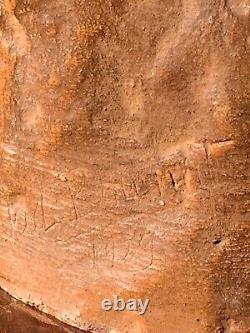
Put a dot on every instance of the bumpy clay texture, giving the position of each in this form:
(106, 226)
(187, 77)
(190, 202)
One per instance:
(124, 157)
(16, 317)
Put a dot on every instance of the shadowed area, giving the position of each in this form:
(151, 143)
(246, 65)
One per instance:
(18, 317)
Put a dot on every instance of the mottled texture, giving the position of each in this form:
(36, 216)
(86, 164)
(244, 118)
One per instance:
(125, 161)
(15, 317)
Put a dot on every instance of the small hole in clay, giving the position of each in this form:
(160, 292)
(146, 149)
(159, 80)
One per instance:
(217, 241)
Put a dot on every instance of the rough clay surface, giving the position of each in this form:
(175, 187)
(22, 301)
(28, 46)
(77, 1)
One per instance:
(16, 317)
(125, 161)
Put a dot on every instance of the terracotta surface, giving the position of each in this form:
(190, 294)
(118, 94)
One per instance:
(125, 161)
(15, 317)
